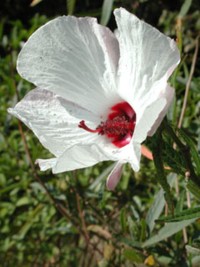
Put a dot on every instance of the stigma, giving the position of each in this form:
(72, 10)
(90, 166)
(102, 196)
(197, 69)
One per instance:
(119, 126)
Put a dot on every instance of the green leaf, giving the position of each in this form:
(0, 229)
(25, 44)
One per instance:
(31, 218)
(193, 149)
(194, 189)
(174, 159)
(106, 11)
(195, 261)
(123, 219)
(180, 204)
(192, 250)
(192, 213)
(166, 231)
(98, 181)
(143, 231)
(155, 210)
(10, 187)
(133, 256)
(129, 242)
(158, 205)
(23, 201)
(70, 6)
(157, 147)
(185, 8)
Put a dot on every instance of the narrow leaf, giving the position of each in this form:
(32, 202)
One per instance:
(98, 180)
(192, 213)
(155, 210)
(158, 205)
(106, 11)
(133, 256)
(168, 230)
(194, 189)
(123, 219)
(192, 250)
(129, 242)
(185, 8)
(180, 203)
(161, 177)
(193, 149)
(70, 6)
(30, 220)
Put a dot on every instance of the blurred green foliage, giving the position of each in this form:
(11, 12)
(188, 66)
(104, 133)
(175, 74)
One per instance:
(98, 228)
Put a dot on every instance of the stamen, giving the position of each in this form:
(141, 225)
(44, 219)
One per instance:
(119, 126)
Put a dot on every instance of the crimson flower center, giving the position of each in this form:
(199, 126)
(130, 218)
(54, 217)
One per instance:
(118, 127)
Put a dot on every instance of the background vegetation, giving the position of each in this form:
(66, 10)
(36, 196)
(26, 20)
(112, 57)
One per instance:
(71, 219)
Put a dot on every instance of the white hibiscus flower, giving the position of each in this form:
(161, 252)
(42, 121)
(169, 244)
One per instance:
(98, 94)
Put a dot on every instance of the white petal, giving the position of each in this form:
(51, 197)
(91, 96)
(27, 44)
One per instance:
(168, 94)
(114, 177)
(79, 156)
(75, 58)
(146, 56)
(82, 156)
(46, 164)
(134, 156)
(130, 153)
(54, 120)
(86, 155)
(147, 119)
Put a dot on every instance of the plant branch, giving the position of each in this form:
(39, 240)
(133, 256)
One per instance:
(81, 216)
(57, 205)
(194, 60)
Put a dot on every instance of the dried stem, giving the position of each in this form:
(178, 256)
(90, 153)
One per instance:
(194, 60)
(83, 223)
(81, 216)
(58, 206)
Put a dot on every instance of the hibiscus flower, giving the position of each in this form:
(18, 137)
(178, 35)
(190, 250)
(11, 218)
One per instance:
(98, 94)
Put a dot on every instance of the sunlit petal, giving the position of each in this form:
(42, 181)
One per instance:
(75, 58)
(146, 56)
(54, 120)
